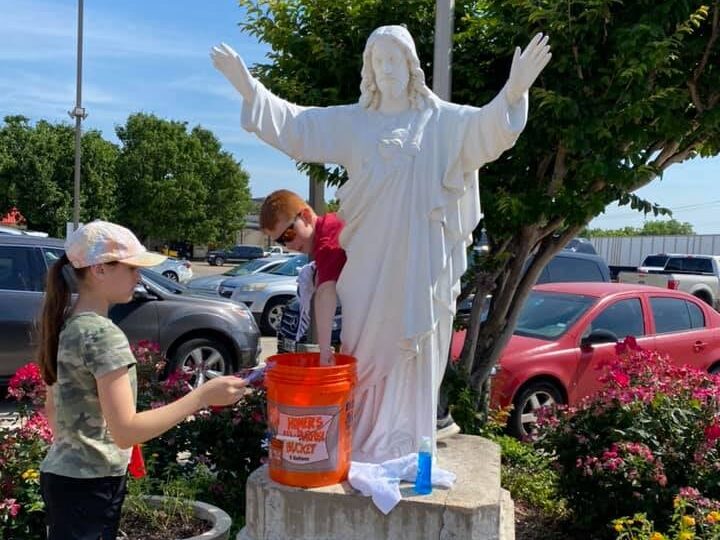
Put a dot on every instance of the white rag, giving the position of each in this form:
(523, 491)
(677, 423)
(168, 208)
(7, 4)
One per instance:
(381, 481)
(305, 290)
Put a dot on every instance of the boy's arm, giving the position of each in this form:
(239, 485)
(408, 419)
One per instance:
(325, 305)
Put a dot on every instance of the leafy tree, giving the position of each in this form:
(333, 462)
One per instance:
(650, 228)
(633, 88)
(178, 184)
(37, 173)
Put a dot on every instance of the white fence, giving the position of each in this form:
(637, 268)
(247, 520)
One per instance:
(631, 250)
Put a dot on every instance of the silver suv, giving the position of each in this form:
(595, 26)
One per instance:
(205, 336)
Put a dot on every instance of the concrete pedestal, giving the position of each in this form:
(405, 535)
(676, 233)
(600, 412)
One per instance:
(475, 508)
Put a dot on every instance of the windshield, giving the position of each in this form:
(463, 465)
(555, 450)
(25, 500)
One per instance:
(246, 268)
(291, 267)
(548, 315)
(655, 260)
(161, 282)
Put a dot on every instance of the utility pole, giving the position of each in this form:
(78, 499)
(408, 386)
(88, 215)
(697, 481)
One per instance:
(79, 114)
(442, 57)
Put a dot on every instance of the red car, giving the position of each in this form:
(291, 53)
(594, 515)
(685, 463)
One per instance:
(565, 330)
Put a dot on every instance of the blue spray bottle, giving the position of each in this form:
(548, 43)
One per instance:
(423, 480)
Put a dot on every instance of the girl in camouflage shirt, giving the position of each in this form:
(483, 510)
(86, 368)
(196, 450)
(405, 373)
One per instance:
(89, 370)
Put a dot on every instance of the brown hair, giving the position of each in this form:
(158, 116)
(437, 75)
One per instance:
(280, 205)
(54, 311)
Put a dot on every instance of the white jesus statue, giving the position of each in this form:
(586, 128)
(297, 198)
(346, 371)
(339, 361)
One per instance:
(410, 205)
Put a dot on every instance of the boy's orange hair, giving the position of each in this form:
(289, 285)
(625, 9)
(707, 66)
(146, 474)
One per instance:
(280, 206)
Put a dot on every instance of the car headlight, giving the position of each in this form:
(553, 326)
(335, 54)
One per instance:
(254, 287)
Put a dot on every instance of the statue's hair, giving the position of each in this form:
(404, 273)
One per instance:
(419, 94)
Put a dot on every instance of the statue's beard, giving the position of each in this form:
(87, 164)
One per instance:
(393, 87)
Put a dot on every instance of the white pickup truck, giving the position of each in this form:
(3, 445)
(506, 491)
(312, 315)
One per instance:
(698, 275)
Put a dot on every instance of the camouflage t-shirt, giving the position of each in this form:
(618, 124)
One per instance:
(90, 346)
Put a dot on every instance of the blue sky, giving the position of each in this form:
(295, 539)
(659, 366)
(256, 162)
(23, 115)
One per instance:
(153, 56)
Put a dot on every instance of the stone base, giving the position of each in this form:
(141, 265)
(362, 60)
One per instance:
(475, 508)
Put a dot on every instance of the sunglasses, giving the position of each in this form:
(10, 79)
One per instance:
(288, 234)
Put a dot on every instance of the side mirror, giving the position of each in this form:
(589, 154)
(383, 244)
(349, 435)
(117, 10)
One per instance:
(598, 336)
(141, 293)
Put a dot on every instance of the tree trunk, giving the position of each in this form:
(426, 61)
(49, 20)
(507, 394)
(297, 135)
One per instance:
(510, 283)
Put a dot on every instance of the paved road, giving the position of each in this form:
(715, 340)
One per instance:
(202, 268)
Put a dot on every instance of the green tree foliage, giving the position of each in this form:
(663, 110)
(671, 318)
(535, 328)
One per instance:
(178, 184)
(633, 88)
(667, 227)
(37, 173)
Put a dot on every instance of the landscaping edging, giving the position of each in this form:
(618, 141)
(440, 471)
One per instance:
(218, 518)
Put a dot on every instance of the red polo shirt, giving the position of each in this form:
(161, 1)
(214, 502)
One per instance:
(328, 255)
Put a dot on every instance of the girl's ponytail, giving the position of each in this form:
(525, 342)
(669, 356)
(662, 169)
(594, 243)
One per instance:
(55, 307)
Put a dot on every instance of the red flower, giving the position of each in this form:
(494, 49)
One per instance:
(712, 432)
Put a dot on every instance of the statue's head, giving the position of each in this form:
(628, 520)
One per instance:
(391, 66)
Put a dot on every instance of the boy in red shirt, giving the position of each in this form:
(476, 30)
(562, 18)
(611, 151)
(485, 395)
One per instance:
(290, 222)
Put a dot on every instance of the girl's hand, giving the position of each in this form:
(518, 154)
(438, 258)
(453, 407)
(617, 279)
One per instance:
(221, 391)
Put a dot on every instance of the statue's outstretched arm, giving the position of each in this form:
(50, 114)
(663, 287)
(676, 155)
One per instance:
(526, 66)
(230, 64)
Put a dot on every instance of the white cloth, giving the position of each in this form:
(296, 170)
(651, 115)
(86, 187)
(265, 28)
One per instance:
(381, 481)
(410, 206)
(305, 291)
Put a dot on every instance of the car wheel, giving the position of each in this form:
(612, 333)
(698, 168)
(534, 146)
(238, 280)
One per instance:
(202, 359)
(172, 276)
(219, 261)
(270, 320)
(533, 397)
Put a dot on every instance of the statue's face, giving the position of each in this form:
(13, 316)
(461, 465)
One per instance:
(390, 67)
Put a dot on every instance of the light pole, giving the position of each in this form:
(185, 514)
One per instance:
(442, 57)
(79, 114)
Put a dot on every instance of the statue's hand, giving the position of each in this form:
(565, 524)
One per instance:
(526, 66)
(227, 61)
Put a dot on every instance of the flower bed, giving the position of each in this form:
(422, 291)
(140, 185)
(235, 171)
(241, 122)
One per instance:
(224, 444)
(653, 431)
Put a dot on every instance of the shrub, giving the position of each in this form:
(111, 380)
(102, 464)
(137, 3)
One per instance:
(228, 441)
(653, 429)
(22, 448)
(693, 518)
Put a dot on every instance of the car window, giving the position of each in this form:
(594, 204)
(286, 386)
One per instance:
(160, 281)
(655, 260)
(568, 269)
(697, 317)
(675, 315)
(689, 264)
(548, 315)
(20, 269)
(291, 267)
(623, 318)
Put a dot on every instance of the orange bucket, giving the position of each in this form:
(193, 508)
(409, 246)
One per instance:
(310, 416)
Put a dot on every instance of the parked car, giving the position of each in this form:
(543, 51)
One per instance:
(204, 336)
(565, 266)
(211, 284)
(581, 245)
(218, 257)
(698, 275)
(266, 294)
(276, 250)
(6, 229)
(565, 331)
(174, 269)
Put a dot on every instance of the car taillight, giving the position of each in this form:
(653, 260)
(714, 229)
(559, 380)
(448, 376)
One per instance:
(187, 264)
(673, 284)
